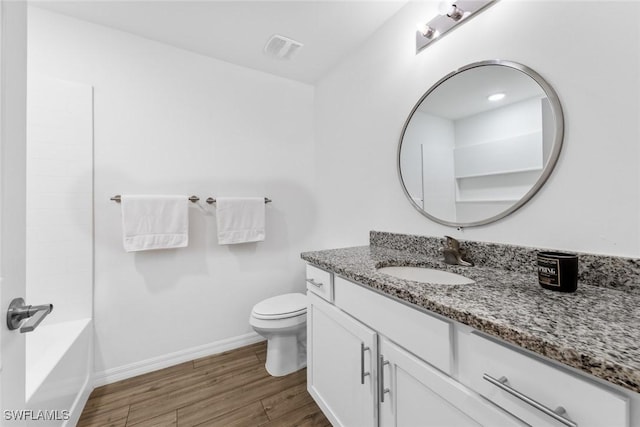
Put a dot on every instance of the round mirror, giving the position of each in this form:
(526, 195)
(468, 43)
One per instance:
(480, 143)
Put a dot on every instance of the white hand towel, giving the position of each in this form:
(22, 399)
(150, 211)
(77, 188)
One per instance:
(240, 219)
(154, 222)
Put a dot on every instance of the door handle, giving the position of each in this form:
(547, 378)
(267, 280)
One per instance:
(362, 372)
(381, 388)
(19, 311)
(556, 414)
(314, 283)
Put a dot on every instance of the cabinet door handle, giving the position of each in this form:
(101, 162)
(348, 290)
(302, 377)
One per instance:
(314, 283)
(381, 389)
(556, 414)
(362, 372)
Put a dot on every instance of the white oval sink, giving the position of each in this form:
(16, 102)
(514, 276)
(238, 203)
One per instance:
(427, 275)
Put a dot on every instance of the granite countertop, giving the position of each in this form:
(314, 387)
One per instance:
(596, 329)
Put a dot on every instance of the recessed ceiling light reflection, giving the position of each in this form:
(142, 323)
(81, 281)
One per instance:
(496, 97)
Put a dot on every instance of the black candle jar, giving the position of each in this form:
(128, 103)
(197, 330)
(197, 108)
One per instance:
(558, 271)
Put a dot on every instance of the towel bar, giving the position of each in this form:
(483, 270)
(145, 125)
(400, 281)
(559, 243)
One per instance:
(117, 198)
(211, 200)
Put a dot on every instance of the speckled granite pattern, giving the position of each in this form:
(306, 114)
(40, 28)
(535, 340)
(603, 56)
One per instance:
(596, 329)
(596, 270)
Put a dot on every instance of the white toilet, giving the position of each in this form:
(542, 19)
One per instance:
(282, 320)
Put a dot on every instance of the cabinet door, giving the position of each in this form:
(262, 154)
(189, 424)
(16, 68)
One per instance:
(413, 393)
(341, 365)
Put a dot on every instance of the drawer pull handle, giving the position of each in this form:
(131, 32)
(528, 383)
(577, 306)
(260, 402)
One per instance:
(314, 283)
(381, 389)
(556, 414)
(362, 372)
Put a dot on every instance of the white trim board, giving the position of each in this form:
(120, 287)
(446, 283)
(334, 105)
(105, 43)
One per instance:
(79, 404)
(149, 365)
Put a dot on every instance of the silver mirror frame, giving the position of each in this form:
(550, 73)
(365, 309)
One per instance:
(558, 115)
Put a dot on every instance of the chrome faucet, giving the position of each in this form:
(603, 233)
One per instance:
(454, 254)
(19, 311)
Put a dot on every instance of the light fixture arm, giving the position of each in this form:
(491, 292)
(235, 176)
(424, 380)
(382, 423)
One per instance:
(451, 14)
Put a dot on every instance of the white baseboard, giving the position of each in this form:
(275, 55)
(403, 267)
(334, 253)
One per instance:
(144, 366)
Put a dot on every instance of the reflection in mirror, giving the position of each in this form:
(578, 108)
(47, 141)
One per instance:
(480, 143)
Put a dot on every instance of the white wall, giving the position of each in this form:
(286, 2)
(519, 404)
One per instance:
(169, 121)
(60, 197)
(519, 118)
(591, 201)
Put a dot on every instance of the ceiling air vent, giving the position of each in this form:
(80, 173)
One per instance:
(281, 47)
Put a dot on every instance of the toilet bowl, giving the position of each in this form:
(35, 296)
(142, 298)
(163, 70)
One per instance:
(282, 320)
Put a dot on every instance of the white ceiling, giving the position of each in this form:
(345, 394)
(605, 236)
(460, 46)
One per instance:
(465, 94)
(236, 31)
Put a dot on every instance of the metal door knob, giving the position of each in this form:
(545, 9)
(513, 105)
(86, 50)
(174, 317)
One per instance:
(19, 311)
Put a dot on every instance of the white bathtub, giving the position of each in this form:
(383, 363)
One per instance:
(58, 377)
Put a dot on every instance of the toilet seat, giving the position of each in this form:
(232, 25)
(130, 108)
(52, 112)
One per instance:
(281, 307)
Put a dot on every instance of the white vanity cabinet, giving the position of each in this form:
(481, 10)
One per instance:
(377, 361)
(360, 378)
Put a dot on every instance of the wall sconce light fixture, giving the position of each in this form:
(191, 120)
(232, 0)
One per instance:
(452, 13)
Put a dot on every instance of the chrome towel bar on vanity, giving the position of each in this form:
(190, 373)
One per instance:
(117, 198)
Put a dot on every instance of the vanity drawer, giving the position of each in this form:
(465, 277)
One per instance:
(426, 336)
(484, 365)
(320, 282)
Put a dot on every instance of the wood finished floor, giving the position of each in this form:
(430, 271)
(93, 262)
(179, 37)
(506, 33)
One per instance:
(228, 389)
